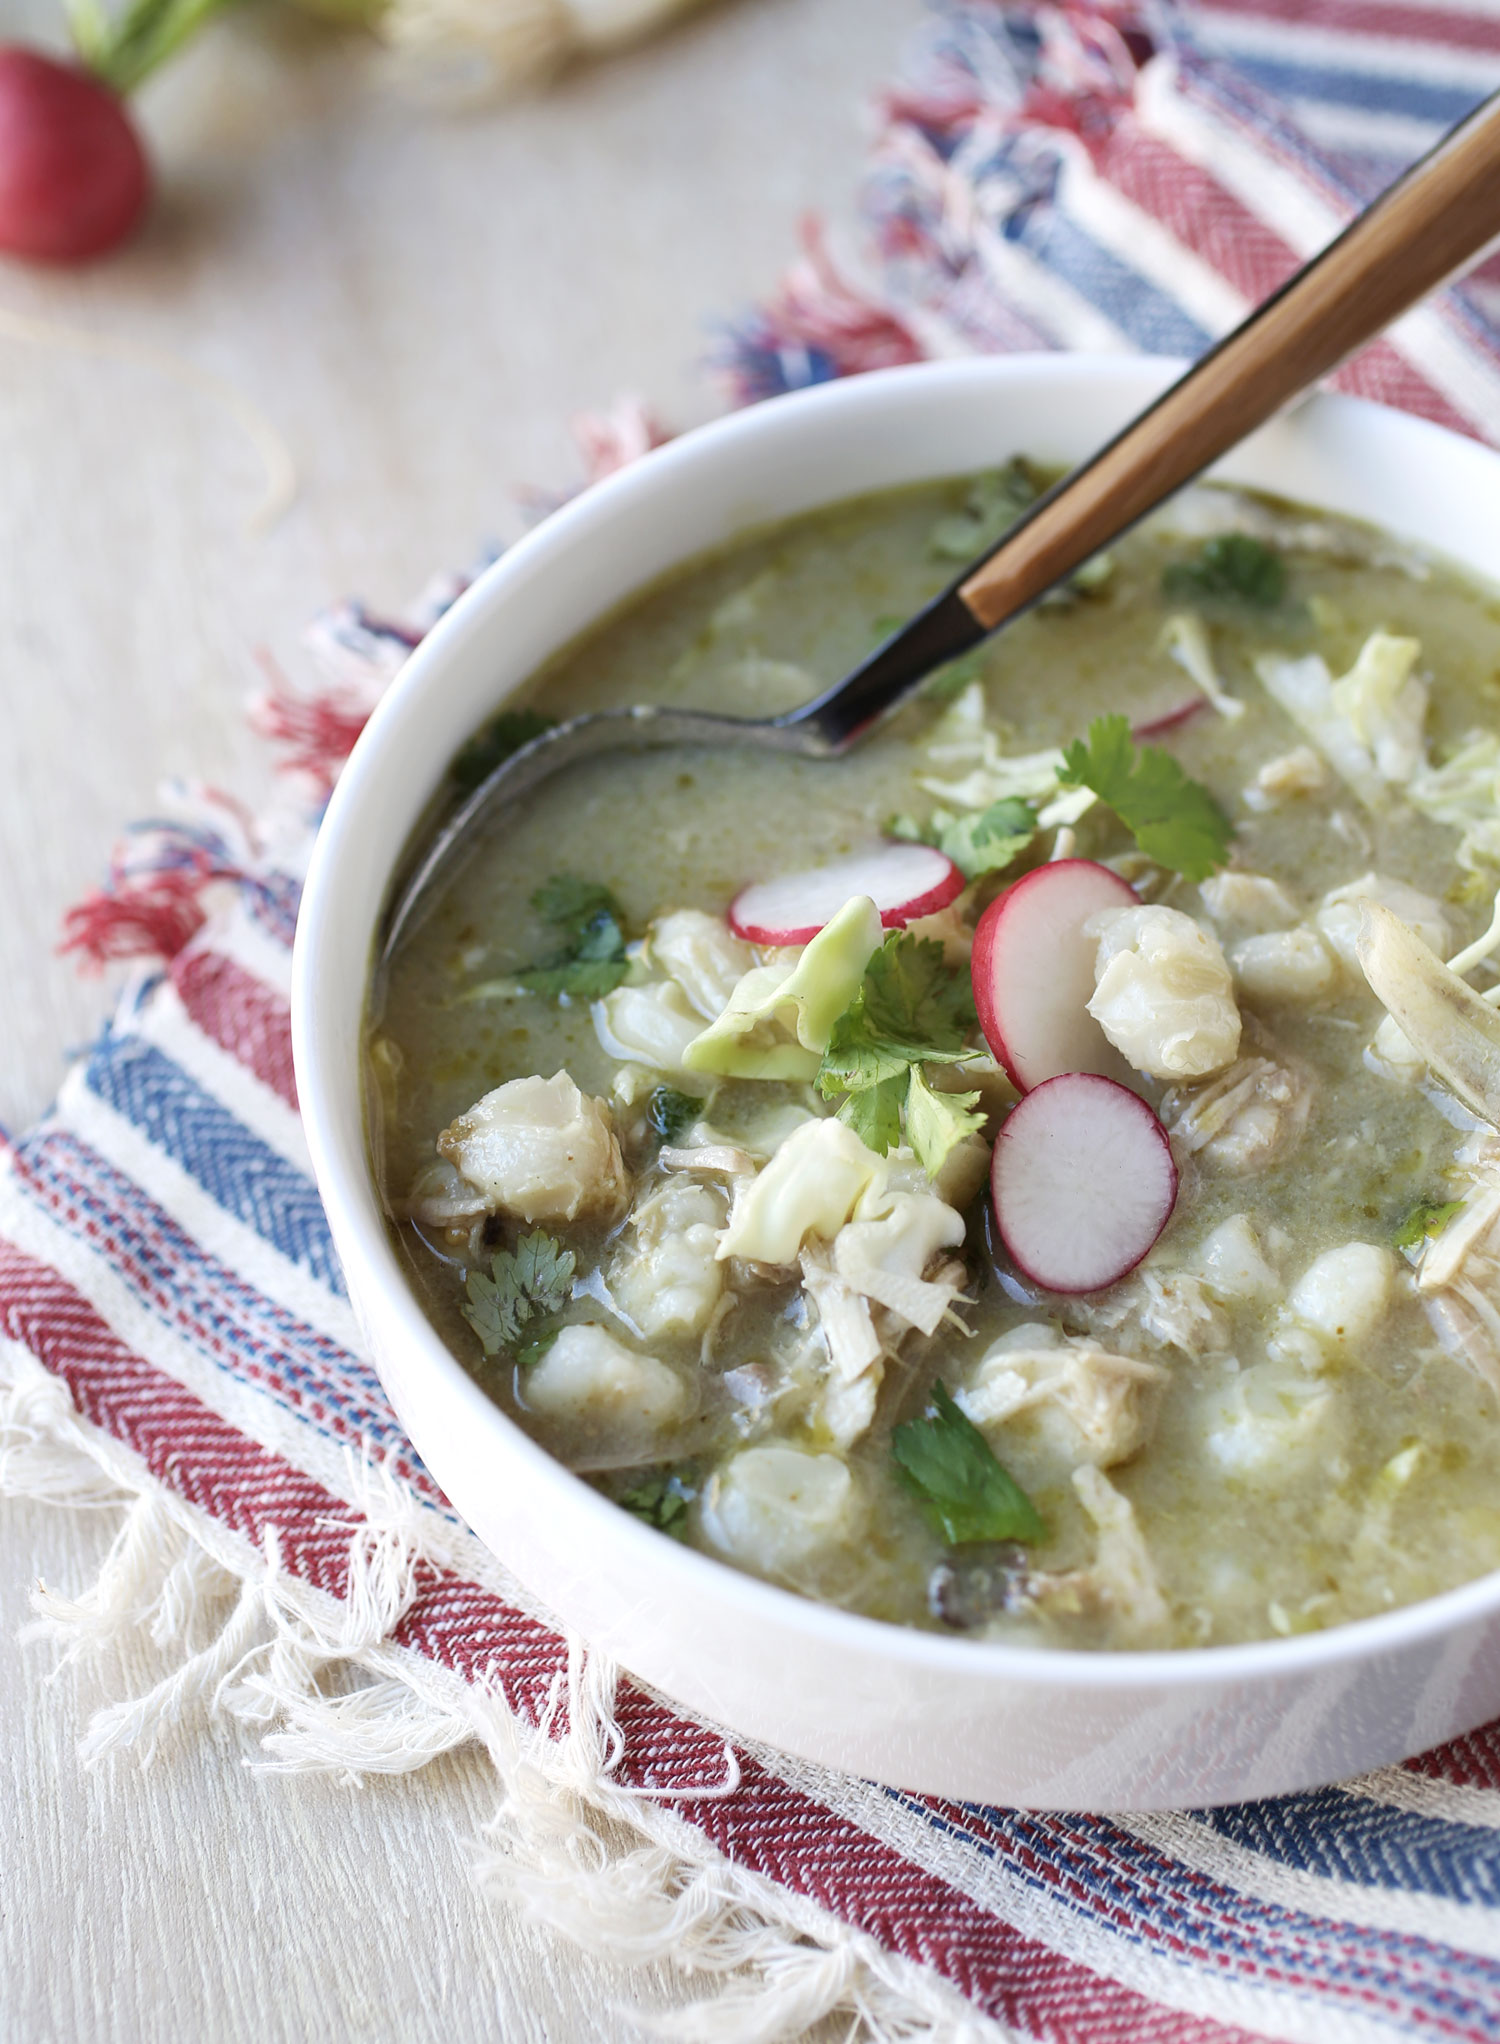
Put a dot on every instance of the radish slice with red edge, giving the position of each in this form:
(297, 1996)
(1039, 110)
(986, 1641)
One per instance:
(904, 881)
(1082, 1181)
(1169, 720)
(1034, 973)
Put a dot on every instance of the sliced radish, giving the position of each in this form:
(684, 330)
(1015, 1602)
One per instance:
(1082, 1181)
(1034, 973)
(1169, 720)
(904, 881)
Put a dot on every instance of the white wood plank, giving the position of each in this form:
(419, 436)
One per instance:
(418, 302)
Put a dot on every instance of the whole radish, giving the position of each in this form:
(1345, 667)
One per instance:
(74, 179)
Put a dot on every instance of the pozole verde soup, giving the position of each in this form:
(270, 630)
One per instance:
(711, 1214)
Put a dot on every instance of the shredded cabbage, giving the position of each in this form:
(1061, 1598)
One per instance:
(1368, 723)
(810, 1187)
(779, 1017)
(962, 735)
(1464, 792)
(1185, 637)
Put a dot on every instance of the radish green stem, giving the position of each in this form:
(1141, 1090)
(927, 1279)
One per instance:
(125, 48)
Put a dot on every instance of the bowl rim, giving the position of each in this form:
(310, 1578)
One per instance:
(353, 1207)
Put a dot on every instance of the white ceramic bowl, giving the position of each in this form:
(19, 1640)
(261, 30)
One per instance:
(915, 1710)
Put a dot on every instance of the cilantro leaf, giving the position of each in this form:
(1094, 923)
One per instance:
(953, 1470)
(662, 1500)
(536, 1277)
(991, 505)
(544, 1271)
(855, 1061)
(1428, 1217)
(575, 906)
(911, 995)
(1174, 819)
(910, 1008)
(671, 1113)
(937, 1122)
(579, 979)
(531, 1352)
(503, 735)
(1230, 568)
(588, 918)
(874, 1113)
(983, 841)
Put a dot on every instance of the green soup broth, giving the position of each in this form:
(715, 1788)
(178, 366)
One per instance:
(1398, 1494)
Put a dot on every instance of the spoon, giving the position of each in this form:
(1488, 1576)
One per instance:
(1426, 226)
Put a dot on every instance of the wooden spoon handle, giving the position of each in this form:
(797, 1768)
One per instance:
(1441, 213)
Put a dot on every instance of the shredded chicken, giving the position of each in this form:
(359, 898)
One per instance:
(702, 955)
(1121, 1580)
(1176, 1311)
(880, 1279)
(1338, 916)
(722, 1160)
(1099, 1405)
(870, 1238)
(441, 1197)
(1238, 1121)
(1298, 772)
(1458, 1272)
(1447, 1024)
(856, 1351)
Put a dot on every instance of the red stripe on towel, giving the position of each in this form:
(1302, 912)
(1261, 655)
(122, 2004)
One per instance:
(239, 1013)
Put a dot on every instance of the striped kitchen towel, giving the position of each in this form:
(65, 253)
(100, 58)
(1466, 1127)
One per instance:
(174, 1329)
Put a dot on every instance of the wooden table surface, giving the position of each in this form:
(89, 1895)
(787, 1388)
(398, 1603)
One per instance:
(416, 301)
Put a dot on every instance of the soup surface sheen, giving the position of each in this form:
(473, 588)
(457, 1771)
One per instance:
(1284, 1417)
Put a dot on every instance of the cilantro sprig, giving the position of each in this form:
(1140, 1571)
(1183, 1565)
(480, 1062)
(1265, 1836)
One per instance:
(523, 1284)
(670, 1113)
(1229, 568)
(1427, 1218)
(503, 735)
(588, 921)
(965, 1489)
(910, 1010)
(992, 503)
(662, 1500)
(984, 841)
(1173, 818)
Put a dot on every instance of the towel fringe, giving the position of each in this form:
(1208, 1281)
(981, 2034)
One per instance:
(320, 1683)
